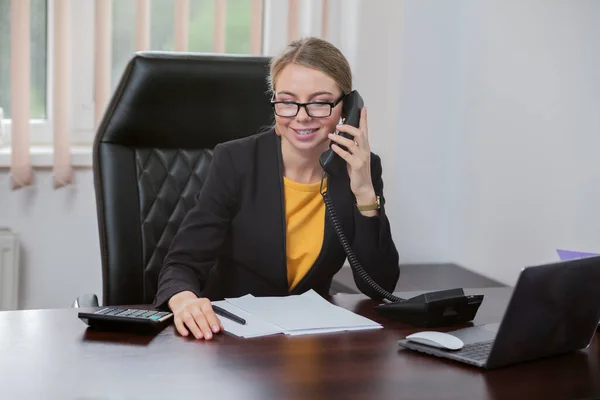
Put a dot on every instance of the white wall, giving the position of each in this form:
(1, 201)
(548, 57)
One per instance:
(60, 253)
(500, 132)
(486, 115)
(374, 65)
(527, 135)
(426, 92)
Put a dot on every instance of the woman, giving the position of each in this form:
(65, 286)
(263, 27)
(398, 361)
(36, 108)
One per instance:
(259, 223)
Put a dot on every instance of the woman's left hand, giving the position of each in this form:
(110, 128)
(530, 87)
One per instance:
(358, 159)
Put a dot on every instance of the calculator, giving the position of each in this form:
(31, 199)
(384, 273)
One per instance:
(126, 319)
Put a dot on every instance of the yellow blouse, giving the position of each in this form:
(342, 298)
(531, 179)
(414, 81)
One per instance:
(305, 219)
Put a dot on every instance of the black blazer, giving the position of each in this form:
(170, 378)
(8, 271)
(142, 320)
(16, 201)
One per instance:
(233, 241)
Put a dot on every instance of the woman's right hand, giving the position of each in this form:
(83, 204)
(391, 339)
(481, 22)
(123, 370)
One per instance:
(194, 314)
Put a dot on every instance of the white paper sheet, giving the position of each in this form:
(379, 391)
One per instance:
(303, 314)
(254, 326)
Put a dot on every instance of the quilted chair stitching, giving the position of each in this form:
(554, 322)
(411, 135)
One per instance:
(166, 168)
(191, 176)
(143, 168)
(175, 206)
(192, 167)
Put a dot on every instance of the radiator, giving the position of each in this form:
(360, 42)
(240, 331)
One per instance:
(9, 269)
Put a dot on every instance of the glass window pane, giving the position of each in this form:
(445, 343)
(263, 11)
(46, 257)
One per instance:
(124, 16)
(162, 14)
(38, 57)
(202, 25)
(39, 24)
(237, 28)
(123, 37)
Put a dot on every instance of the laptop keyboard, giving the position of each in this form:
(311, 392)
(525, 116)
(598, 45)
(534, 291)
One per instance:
(476, 351)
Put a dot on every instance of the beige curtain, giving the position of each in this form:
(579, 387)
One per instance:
(142, 31)
(292, 20)
(325, 20)
(102, 57)
(256, 27)
(20, 166)
(61, 93)
(60, 112)
(181, 24)
(220, 20)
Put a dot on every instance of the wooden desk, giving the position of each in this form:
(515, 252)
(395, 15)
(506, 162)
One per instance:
(48, 354)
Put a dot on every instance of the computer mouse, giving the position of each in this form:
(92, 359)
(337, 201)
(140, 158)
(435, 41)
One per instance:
(437, 339)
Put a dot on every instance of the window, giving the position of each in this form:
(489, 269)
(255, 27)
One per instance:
(239, 36)
(200, 36)
(39, 29)
(237, 26)
(162, 14)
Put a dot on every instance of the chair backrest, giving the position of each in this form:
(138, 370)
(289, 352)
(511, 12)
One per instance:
(153, 149)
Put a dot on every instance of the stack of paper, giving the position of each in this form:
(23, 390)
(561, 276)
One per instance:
(303, 314)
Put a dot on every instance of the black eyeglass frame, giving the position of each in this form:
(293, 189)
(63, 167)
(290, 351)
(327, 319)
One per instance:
(331, 105)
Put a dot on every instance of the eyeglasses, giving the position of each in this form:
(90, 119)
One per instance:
(314, 109)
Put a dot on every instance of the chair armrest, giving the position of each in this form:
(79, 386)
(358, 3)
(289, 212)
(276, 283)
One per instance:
(86, 300)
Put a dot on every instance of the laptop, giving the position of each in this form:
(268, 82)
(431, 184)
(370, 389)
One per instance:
(554, 309)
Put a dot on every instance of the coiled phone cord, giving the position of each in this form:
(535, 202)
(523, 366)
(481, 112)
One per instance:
(354, 264)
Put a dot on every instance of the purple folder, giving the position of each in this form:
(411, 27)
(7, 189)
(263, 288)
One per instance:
(565, 255)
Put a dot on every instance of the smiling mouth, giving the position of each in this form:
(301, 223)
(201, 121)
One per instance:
(305, 132)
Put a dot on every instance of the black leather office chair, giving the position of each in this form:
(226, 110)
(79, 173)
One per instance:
(152, 152)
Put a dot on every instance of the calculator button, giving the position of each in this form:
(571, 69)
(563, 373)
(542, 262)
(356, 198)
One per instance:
(138, 313)
(148, 314)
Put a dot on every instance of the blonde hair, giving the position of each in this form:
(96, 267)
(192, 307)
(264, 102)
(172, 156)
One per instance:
(314, 53)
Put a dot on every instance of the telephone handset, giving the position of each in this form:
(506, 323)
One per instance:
(431, 309)
(352, 105)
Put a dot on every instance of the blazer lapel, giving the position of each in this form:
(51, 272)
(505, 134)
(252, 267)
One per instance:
(269, 209)
(279, 212)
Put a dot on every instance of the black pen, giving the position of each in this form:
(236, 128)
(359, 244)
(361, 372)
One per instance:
(224, 313)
